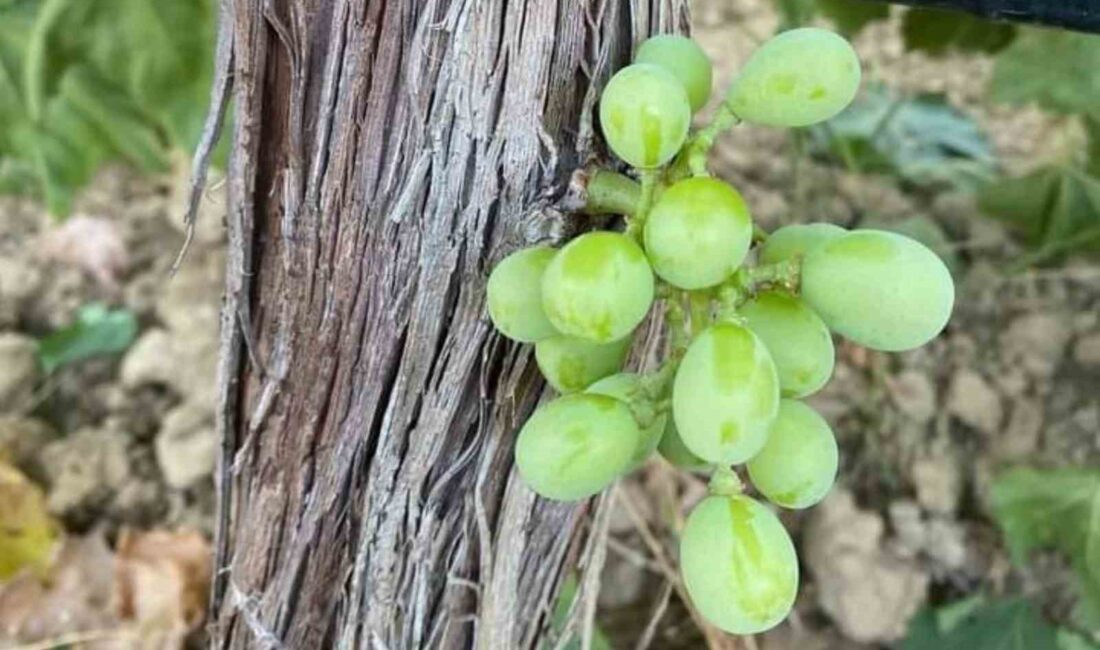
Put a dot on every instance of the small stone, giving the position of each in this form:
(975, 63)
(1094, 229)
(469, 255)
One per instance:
(937, 483)
(187, 364)
(906, 519)
(186, 446)
(190, 303)
(973, 400)
(1012, 382)
(150, 360)
(1021, 436)
(945, 544)
(1087, 350)
(868, 591)
(19, 280)
(86, 469)
(1036, 342)
(913, 394)
(19, 371)
(21, 441)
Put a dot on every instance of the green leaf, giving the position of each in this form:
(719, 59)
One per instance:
(1053, 509)
(1092, 152)
(851, 16)
(795, 13)
(921, 139)
(999, 625)
(1055, 69)
(938, 31)
(1068, 640)
(98, 331)
(1055, 209)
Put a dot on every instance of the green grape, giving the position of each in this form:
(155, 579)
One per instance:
(739, 564)
(725, 395)
(598, 287)
(673, 449)
(698, 233)
(880, 289)
(796, 240)
(576, 446)
(682, 57)
(645, 115)
(514, 294)
(571, 364)
(797, 466)
(627, 387)
(797, 340)
(797, 78)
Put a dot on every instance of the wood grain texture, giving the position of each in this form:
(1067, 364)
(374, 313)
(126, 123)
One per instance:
(385, 154)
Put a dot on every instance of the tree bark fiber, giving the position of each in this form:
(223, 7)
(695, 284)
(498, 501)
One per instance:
(385, 154)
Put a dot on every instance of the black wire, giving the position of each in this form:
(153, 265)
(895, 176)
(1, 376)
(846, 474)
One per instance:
(1079, 15)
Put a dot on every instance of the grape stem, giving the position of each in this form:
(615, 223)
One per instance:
(725, 482)
(635, 227)
(747, 282)
(692, 159)
(609, 192)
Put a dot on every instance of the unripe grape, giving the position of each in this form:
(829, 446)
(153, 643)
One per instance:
(645, 115)
(880, 289)
(698, 233)
(739, 564)
(598, 287)
(796, 338)
(725, 395)
(798, 465)
(514, 295)
(575, 446)
(797, 78)
(627, 387)
(685, 60)
(673, 449)
(570, 364)
(797, 240)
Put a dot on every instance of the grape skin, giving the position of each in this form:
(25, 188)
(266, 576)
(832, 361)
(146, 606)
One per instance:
(797, 339)
(880, 289)
(798, 465)
(514, 295)
(797, 240)
(673, 449)
(626, 387)
(645, 115)
(575, 446)
(739, 564)
(725, 395)
(685, 60)
(598, 287)
(797, 78)
(698, 233)
(571, 364)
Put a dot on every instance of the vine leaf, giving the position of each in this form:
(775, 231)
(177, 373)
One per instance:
(1055, 69)
(999, 625)
(97, 331)
(1053, 509)
(851, 16)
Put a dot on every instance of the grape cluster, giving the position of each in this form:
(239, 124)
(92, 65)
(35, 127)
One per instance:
(749, 318)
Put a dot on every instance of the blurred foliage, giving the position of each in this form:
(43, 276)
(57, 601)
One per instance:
(1057, 509)
(1055, 209)
(97, 331)
(83, 82)
(850, 16)
(922, 139)
(1055, 69)
(980, 624)
(27, 532)
(938, 32)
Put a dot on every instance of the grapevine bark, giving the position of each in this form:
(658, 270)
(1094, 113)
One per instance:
(384, 154)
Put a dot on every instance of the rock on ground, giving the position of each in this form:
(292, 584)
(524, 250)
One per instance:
(19, 371)
(975, 402)
(867, 590)
(86, 469)
(185, 446)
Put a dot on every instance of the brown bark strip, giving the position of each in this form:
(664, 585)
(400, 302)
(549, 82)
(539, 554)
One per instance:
(386, 153)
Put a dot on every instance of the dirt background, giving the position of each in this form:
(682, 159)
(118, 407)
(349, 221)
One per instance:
(127, 443)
